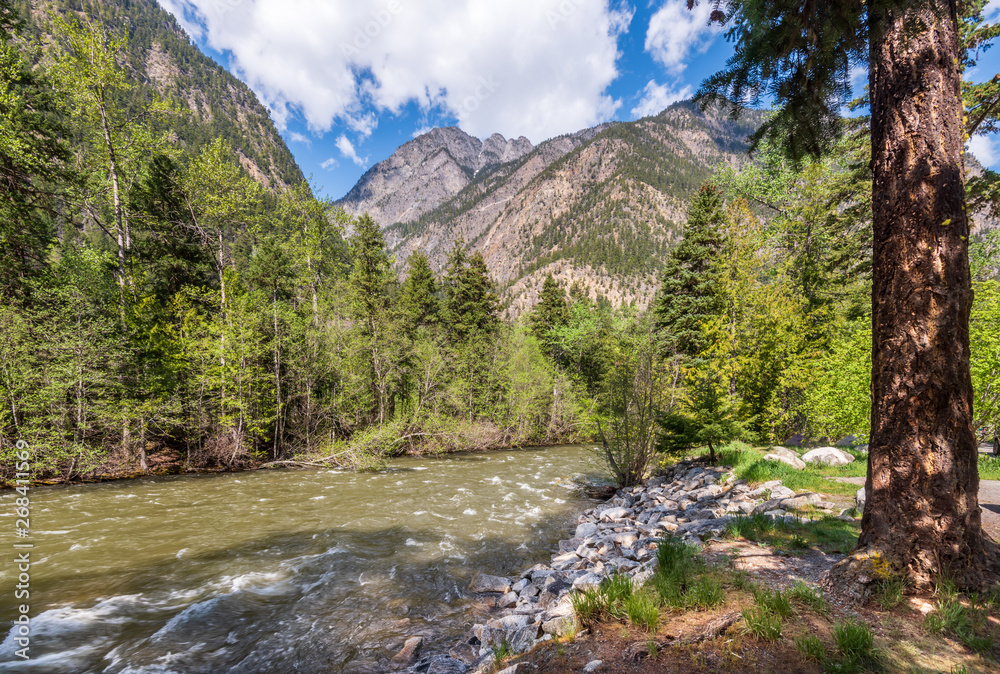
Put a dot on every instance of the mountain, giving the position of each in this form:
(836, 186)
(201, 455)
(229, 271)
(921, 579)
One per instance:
(161, 58)
(599, 208)
(427, 171)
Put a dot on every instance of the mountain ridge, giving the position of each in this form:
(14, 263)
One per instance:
(599, 207)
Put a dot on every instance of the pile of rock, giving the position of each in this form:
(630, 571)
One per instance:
(690, 502)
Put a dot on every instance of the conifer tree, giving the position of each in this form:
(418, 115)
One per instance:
(34, 162)
(689, 291)
(378, 347)
(471, 303)
(418, 300)
(922, 516)
(550, 313)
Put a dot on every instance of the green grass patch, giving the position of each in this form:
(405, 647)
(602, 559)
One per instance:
(963, 616)
(763, 624)
(989, 467)
(808, 596)
(748, 464)
(643, 610)
(774, 601)
(811, 648)
(856, 646)
(828, 533)
(889, 592)
(682, 580)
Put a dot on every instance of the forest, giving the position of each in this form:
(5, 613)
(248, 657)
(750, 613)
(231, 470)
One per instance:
(162, 311)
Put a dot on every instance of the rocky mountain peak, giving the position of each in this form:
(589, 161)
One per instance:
(427, 171)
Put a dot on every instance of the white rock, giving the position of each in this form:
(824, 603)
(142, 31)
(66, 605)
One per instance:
(585, 530)
(793, 461)
(593, 666)
(613, 514)
(860, 498)
(828, 456)
(801, 500)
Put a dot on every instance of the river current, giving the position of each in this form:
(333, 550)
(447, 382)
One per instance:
(278, 571)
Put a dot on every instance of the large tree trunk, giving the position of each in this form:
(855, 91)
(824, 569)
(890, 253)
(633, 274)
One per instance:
(922, 515)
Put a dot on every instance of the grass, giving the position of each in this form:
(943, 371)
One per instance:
(775, 602)
(501, 652)
(856, 645)
(749, 464)
(763, 624)
(989, 467)
(828, 533)
(643, 610)
(681, 582)
(962, 616)
(811, 648)
(889, 593)
(809, 597)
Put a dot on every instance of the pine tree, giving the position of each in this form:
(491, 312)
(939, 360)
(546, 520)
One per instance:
(418, 300)
(34, 163)
(922, 515)
(378, 348)
(471, 303)
(689, 291)
(550, 313)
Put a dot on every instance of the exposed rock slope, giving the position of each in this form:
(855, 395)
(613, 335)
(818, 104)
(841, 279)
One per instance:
(599, 207)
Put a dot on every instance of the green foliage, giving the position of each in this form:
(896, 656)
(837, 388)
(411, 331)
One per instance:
(888, 592)
(962, 616)
(643, 610)
(774, 601)
(634, 395)
(706, 415)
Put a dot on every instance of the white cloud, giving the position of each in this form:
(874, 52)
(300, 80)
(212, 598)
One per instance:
(656, 97)
(984, 149)
(329, 164)
(675, 31)
(421, 131)
(298, 137)
(347, 149)
(521, 67)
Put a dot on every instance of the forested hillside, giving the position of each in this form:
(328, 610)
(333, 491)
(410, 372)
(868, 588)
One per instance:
(598, 208)
(160, 60)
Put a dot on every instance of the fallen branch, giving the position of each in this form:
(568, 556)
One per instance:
(709, 631)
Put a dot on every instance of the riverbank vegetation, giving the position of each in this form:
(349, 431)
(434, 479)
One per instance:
(162, 311)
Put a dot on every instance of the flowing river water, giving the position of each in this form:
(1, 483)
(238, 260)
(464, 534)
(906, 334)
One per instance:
(278, 571)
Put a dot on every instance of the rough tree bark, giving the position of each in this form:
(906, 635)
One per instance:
(922, 515)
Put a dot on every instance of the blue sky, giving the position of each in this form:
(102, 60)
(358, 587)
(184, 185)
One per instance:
(348, 81)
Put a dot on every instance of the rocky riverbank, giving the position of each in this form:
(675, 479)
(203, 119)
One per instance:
(692, 502)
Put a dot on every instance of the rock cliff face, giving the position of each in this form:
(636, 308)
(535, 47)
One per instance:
(598, 208)
(428, 171)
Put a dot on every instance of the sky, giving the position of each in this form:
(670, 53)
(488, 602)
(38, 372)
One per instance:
(348, 81)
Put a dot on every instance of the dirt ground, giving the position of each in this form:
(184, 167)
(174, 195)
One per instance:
(900, 636)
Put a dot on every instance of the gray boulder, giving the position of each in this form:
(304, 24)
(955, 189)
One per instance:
(482, 582)
(860, 499)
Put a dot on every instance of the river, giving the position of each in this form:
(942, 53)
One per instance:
(278, 571)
